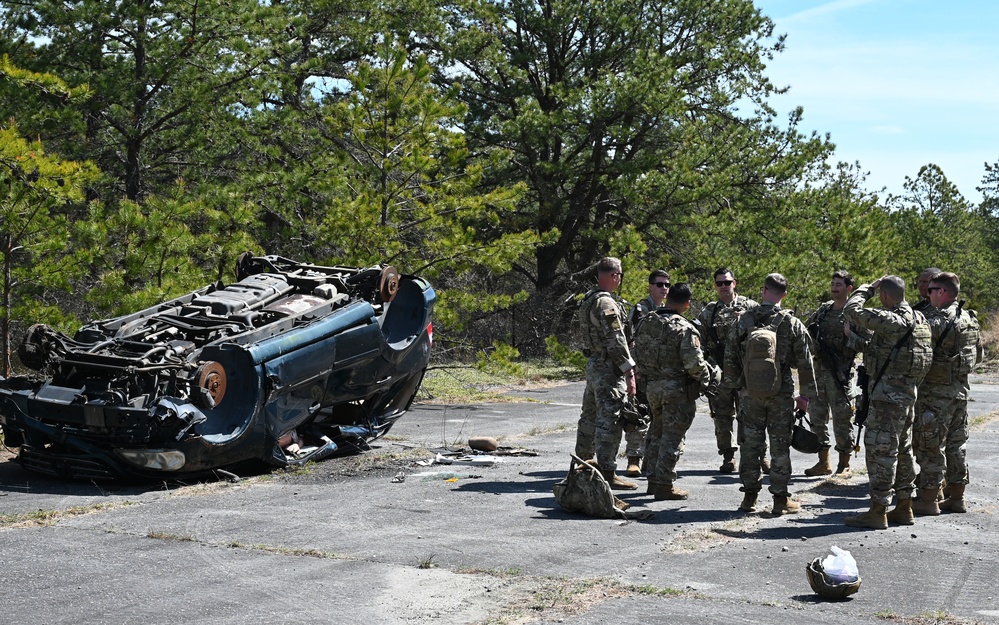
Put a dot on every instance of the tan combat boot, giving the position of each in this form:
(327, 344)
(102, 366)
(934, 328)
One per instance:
(728, 462)
(783, 504)
(617, 483)
(902, 514)
(955, 501)
(749, 502)
(843, 468)
(666, 491)
(821, 467)
(926, 504)
(634, 467)
(876, 518)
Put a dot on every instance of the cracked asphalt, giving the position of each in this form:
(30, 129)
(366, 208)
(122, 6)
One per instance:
(377, 538)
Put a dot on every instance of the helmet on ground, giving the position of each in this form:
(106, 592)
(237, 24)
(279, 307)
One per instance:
(827, 587)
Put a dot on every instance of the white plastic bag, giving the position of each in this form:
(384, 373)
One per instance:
(840, 567)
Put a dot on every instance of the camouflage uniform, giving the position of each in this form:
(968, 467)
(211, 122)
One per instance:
(887, 440)
(923, 306)
(940, 432)
(673, 391)
(773, 415)
(716, 319)
(834, 357)
(636, 435)
(602, 336)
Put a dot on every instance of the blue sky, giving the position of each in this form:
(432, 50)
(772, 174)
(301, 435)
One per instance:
(897, 83)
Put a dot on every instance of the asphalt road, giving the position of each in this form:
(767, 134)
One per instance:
(379, 539)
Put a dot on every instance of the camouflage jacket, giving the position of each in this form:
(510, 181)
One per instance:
(794, 349)
(716, 319)
(831, 345)
(923, 305)
(955, 350)
(601, 327)
(679, 355)
(887, 326)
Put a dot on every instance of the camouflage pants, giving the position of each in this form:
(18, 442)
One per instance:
(723, 406)
(831, 399)
(940, 439)
(599, 429)
(888, 450)
(672, 415)
(759, 418)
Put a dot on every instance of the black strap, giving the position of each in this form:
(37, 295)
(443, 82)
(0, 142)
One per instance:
(950, 325)
(894, 352)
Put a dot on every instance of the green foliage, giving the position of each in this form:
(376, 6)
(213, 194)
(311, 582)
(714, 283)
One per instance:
(164, 247)
(614, 122)
(500, 359)
(565, 355)
(159, 75)
(496, 147)
(36, 192)
(935, 226)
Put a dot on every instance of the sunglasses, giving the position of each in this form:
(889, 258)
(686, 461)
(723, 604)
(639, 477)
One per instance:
(723, 282)
(661, 285)
(934, 288)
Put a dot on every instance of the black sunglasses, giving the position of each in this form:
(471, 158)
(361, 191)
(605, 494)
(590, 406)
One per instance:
(661, 285)
(934, 288)
(723, 282)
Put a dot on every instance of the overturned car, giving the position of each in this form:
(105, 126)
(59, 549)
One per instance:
(292, 362)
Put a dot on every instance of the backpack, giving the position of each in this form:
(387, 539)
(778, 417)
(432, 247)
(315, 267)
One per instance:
(920, 346)
(582, 337)
(761, 365)
(652, 352)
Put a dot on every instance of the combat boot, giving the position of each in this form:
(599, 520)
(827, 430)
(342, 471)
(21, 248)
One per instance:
(821, 467)
(955, 501)
(926, 504)
(634, 466)
(749, 502)
(728, 462)
(783, 504)
(843, 468)
(902, 514)
(617, 483)
(876, 518)
(667, 492)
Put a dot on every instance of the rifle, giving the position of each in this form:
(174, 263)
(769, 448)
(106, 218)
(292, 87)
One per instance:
(828, 358)
(863, 405)
(694, 388)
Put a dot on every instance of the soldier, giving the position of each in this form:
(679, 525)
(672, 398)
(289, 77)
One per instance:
(834, 368)
(610, 372)
(716, 319)
(923, 283)
(668, 348)
(894, 358)
(635, 433)
(940, 433)
(762, 348)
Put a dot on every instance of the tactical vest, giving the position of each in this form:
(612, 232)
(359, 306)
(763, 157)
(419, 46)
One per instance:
(657, 343)
(956, 351)
(915, 355)
(590, 336)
